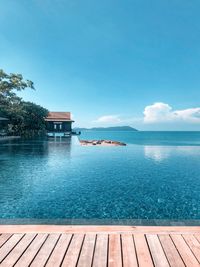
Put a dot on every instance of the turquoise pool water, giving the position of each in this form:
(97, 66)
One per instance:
(155, 177)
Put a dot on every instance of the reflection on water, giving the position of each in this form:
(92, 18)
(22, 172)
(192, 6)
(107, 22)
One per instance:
(59, 146)
(160, 153)
(25, 164)
(157, 153)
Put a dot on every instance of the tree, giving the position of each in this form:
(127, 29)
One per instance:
(9, 83)
(25, 118)
(29, 120)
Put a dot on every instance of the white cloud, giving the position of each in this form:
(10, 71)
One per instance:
(162, 112)
(108, 119)
(157, 112)
(191, 114)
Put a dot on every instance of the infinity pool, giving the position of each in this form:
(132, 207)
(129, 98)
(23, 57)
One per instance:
(59, 180)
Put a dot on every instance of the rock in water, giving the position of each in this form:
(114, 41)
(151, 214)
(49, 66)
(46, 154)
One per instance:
(101, 143)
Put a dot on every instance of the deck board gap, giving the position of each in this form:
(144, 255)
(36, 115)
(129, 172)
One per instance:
(108, 243)
(177, 249)
(12, 247)
(187, 259)
(190, 249)
(6, 240)
(163, 250)
(149, 250)
(52, 250)
(66, 250)
(135, 250)
(121, 250)
(80, 250)
(59, 251)
(39, 249)
(94, 250)
(25, 250)
(198, 240)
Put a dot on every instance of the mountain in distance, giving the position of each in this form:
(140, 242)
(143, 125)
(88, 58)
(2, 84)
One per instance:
(114, 128)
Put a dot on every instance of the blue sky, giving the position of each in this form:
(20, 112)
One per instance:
(109, 62)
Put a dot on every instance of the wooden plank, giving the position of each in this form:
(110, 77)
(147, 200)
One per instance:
(55, 250)
(101, 251)
(9, 245)
(31, 251)
(4, 238)
(15, 254)
(193, 244)
(87, 251)
(97, 229)
(72, 255)
(114, 252)
(185, 252)
(44, 253)
(142, 251)
(128, 251)
(197, 236)
(171, 251)
(59, 251)
(157, 252)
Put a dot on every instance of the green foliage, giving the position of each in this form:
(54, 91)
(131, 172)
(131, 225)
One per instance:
(29, 120)
(25, 118)
(10, 82)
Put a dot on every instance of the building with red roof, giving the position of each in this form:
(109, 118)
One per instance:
(59, 122)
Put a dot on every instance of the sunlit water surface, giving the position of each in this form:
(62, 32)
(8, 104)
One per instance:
(155, 177)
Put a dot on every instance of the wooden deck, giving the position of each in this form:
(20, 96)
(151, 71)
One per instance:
(99, 246)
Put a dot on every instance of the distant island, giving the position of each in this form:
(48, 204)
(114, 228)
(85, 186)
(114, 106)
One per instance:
(115, 128)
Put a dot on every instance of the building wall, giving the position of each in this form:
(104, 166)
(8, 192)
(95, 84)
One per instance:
(65, 126)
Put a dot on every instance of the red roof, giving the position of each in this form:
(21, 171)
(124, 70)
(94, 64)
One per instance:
(59, 116)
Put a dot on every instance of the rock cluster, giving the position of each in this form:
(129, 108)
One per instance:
(101, 143)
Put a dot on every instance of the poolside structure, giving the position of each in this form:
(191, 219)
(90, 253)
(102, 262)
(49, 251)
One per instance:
(59, 122)
(99, 246)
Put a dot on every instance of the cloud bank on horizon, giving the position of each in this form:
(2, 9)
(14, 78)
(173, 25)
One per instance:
(162, 112)
(109, 119)
(156, 113)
